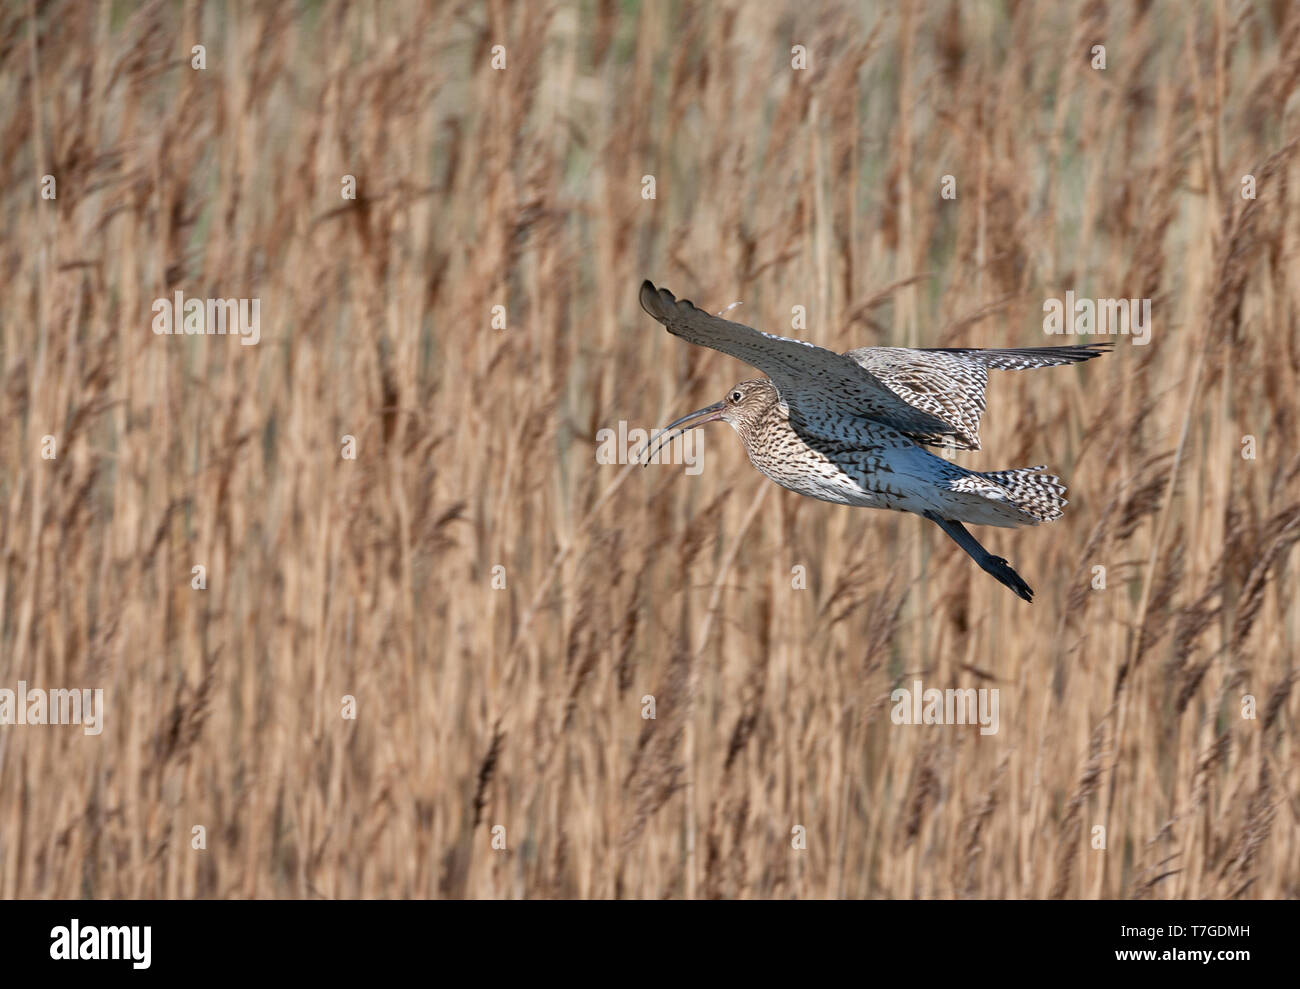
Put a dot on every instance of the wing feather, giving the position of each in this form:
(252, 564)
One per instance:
(949, 382)
(829, 393)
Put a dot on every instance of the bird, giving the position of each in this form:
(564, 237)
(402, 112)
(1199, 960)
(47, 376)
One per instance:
(853, 428)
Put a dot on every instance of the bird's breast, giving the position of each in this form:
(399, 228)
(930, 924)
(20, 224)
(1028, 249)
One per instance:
(847, 475)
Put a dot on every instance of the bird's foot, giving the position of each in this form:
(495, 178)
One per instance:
(1001, 569)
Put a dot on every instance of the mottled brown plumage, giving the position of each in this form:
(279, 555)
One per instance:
(848, 428)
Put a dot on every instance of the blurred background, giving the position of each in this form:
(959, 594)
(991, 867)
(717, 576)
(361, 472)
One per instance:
(499, 605)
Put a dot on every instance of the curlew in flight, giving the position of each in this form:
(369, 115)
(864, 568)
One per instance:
(849, 428)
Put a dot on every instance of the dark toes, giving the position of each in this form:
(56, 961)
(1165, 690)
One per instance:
(1003, 571)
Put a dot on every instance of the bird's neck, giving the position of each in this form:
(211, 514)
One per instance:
(757, 432)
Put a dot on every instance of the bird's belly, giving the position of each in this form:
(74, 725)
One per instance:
(833, 486)
(866, 477)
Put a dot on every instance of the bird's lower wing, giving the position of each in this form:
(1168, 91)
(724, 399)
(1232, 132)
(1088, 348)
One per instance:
(828, 393)
(1020, 358)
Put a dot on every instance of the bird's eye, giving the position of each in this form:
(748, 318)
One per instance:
(734, 396)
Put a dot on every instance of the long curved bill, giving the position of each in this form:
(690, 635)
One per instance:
(699, 417)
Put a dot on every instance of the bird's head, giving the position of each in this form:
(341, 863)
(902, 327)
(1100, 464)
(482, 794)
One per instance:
(742, 407)
(747, 403)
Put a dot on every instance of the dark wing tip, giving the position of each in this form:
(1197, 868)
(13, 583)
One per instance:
(656, 301)
(1087, 351)
(664, 306)
(1075, 353)
(1020, 358)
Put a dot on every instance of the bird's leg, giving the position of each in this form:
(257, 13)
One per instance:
(991, 564)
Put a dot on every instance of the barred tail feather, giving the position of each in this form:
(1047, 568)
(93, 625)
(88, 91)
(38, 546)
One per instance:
(1033, 492)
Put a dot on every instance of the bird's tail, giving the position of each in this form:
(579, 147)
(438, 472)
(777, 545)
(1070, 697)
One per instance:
(1023, 495)
(1033, 492)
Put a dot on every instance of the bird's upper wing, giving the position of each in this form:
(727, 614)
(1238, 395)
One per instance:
(830, 394)
(949, 382)
(947, 386)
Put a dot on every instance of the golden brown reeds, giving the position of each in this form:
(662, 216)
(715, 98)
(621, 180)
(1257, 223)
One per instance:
(500, 606)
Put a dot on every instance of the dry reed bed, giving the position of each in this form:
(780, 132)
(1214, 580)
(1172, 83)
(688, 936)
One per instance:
(521, 707)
